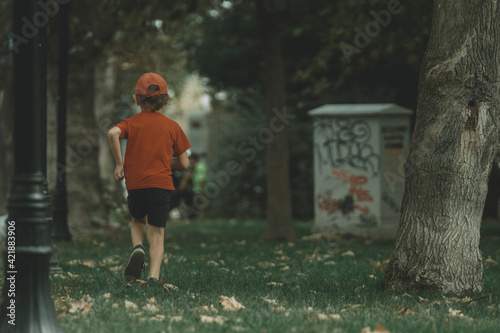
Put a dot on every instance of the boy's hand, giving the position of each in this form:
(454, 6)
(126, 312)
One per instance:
(119, 172)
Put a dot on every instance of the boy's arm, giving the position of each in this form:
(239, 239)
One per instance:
(180, 162)
(114, 143)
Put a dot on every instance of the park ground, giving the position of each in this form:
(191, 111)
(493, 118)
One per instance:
(218, 277)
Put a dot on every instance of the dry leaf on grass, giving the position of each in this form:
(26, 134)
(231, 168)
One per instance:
(151, 308)
(175, 319)
(348, 253)
(130, 305)
(230, 304)
(73, 276)
(157, 317)
(208, 308)
(322, 316)
(107, 295)
(66, 305)
(276, 284)
(457, 313)
(378, 329)
(268, 300)
(404, 310)
(219, 319)
(170, 287)
(427, 302)
(490, 262)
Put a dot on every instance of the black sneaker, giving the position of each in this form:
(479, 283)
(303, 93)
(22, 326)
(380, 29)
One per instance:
(152, 281)
(135, 263)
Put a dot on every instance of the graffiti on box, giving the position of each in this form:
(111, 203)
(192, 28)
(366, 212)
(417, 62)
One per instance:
(352, 202)
(345, 142)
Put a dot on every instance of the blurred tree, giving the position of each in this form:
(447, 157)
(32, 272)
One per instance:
(316, 73)
(279, 209)
(453, 146)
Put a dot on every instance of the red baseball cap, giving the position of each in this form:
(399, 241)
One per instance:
(151, 79)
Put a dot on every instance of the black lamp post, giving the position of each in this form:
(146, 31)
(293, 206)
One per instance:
(60, 230)
(26, 290)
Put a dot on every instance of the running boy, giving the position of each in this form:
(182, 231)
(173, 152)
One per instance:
(152, 139)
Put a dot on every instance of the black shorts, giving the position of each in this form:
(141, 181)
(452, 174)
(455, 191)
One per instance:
(153, 202)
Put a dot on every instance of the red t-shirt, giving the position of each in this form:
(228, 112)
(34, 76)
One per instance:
(152, 139)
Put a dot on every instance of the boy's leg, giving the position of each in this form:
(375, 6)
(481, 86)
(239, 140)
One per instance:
(136, 261)
(155, 240)
(138, 230)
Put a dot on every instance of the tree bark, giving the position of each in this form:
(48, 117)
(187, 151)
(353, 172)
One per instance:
(279, 209)
(83, 179)
(453, 146)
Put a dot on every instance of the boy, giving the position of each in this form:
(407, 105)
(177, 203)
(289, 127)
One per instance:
(152, 139)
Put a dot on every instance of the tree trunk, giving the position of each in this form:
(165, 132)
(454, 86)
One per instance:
(453, 146)
(82, 151)
(107, 114)
(279, 209)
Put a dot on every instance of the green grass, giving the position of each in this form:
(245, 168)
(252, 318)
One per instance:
(209, 259)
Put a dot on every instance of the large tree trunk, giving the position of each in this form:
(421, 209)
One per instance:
(453, 146)
(279, 209)
(83, 178)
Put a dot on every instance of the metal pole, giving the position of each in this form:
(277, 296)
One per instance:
(54, 267)
(60, 229)
(27, 302)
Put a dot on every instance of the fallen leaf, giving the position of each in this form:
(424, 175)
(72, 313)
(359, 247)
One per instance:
(98, 244)
(108, 295)
(230, 304)
(427, 302)
(212, 263)
(378, 329)
(157, 317)
(266, 264)
(152, 300)
(73, 276)
(331, 262)
(209, 308)
(457, 313)
(322, 316)
(175, 319)
(170, 287)
(348, 253)
(139, 282)
(276, 284)
(268, 300)
(115, 306)
(130, 305)
(219, 319)
(404, 310)
(151, 308)
(89, 263)
(490, 262)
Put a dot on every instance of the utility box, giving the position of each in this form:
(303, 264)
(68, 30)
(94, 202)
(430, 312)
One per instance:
(359, 155)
